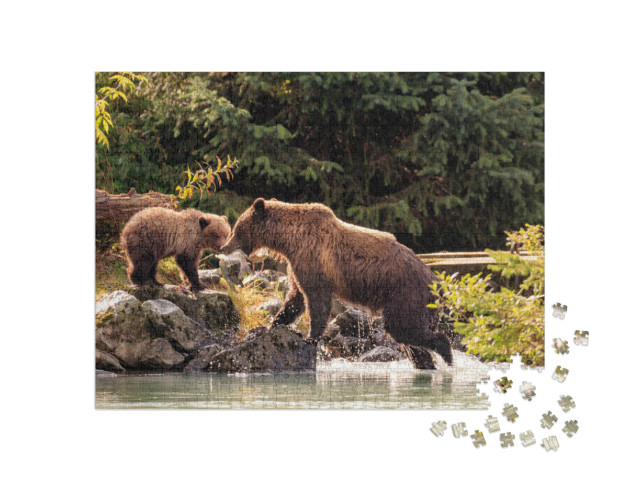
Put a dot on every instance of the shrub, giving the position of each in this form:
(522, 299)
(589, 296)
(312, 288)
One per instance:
(497, 323)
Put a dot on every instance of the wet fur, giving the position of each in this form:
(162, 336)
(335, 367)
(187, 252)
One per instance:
(364, 267)
(156, 233)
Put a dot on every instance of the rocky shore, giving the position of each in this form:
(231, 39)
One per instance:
(151, 328)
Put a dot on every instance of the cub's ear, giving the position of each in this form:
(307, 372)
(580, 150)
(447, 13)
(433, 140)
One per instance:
(224, 218)
(204, 222)
(259, 208)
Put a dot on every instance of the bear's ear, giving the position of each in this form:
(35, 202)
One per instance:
(259, 207)
(204, 222)
(224, 218)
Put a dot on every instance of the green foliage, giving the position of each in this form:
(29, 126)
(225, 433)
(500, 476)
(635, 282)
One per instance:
(496, 324)
(204, 178)
(117, 87)
(442, 160)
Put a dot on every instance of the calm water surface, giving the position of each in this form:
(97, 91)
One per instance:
(336, 384)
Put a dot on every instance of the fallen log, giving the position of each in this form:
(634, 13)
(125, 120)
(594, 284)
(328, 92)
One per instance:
(120, 207)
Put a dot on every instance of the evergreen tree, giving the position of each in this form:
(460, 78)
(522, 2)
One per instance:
(442, 160)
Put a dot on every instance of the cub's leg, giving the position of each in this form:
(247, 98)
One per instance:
(189, 267)
(141, 270)
(153, 273)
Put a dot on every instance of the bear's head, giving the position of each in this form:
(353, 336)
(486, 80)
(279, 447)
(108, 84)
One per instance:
(214, 231)
(247, 232)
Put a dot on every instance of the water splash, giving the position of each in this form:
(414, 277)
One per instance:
(465, 369)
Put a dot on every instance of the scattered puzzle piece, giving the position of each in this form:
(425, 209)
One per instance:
(567, 403)
(503, 384)
(492, 424)
(439, 428)
(560, 374)
(527, 390)
(478, 439)
(527, 439)
(459, 430)
(510, 412)
(581, 338)
(570, 428)
(548, 420)
(506, 439)
(561, 347)
(550, 443)
(559, 310)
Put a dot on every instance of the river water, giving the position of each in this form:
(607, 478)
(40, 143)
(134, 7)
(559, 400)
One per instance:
(336, 384)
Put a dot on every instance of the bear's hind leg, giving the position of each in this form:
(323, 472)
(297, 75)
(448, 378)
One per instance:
(140, 271)
(440, 343)
(410, 327)
(420, 357)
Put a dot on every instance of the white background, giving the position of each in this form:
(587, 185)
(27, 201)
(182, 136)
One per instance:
(50, 52)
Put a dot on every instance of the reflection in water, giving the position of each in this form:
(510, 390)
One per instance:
(336, 384)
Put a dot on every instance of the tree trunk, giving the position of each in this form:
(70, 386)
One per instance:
(120, 207)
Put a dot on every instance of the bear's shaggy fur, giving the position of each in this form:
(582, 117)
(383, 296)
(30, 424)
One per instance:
(365, 267)
(155, 233)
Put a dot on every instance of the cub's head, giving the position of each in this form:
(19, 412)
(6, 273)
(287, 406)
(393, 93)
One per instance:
(247, 232)
(214, 231)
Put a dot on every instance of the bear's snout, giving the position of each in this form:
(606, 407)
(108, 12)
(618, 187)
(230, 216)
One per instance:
(230, 246)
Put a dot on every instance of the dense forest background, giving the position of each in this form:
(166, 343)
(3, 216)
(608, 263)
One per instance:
(445, 161)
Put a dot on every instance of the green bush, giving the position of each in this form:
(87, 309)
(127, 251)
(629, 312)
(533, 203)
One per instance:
(498, 322)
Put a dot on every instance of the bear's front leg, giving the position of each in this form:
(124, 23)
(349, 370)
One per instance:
(319, 305)
(291, 309)
(189, 266)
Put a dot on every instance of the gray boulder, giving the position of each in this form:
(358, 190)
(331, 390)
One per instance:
(382, 354)
(235, 266)
(256, 281)
(346, 347)
(353, 322)
(214, 309)
(280, 349)
(117, 301)
(160, 355)
(202, 358)
(210, 277)
(107, 362)
(271, 275)
(170, 322)
(157, 334)
(357, 345)
(271, 307)
(120, 319)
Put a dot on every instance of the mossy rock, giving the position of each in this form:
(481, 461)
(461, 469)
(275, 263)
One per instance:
(278, 350)
(214, 309)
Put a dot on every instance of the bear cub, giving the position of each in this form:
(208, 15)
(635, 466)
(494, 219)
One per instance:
(156, 233)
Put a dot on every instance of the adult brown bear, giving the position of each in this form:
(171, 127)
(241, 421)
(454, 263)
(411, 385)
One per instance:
(365, 267)
(155, 233)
